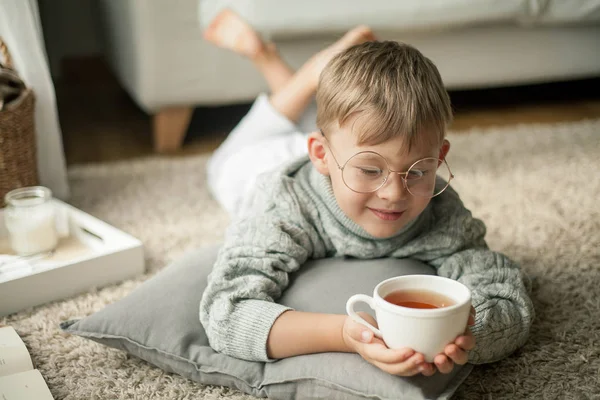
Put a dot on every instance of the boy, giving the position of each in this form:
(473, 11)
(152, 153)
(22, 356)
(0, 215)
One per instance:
(367, 189)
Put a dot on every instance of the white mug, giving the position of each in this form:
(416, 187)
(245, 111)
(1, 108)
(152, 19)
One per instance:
(426, 331)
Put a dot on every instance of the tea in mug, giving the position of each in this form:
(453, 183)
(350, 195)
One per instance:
(418, 299)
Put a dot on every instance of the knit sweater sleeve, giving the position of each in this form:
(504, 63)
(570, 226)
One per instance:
(499, 296)
(504, 311)
(252, 269)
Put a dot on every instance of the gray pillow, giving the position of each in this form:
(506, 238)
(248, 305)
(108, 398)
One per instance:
(158, 322)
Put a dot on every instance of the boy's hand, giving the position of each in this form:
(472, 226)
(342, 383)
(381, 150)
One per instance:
(456, 353)
(401, 362)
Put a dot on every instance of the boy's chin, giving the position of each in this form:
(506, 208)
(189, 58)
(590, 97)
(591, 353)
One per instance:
(383, 232)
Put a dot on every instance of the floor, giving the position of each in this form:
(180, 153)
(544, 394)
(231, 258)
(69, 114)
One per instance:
(101, 123)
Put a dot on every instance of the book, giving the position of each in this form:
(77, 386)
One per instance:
(19, 380)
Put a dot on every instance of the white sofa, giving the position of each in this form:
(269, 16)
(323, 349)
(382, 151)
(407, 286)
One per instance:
(156, 48)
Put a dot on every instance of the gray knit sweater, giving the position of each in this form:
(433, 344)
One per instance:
(293, 216)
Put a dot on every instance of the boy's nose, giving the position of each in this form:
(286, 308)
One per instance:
(393, 190)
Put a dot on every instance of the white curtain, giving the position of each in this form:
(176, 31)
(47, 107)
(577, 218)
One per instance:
(21, 29)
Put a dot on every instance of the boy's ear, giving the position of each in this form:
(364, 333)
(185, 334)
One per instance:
(317, 153)
(444, 150)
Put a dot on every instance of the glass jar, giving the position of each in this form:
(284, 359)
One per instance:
(30, 219)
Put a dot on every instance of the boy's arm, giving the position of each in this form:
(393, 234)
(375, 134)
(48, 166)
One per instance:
(237, 308)
(504, 311)
(295, 333)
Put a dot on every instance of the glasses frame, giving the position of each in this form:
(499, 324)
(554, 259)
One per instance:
(389, 170)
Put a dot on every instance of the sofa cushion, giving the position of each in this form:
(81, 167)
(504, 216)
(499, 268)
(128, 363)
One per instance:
(309, 17)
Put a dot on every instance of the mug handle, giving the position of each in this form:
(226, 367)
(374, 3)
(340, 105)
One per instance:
(357, 298)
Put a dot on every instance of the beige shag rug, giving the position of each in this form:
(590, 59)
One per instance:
(537, 187)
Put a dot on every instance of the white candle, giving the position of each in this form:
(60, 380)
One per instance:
(30, 220)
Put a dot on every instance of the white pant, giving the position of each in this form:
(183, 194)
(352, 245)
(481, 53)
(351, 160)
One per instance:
(263, 140)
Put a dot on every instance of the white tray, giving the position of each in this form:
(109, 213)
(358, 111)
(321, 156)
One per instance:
(90, 253)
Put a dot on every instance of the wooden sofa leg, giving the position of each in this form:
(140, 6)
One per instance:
(170, 125)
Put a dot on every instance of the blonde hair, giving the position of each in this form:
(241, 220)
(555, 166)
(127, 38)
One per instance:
(391, 88)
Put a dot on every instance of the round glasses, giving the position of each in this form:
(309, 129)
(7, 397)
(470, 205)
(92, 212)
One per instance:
(368, 171)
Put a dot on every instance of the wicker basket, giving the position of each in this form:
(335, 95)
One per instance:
(18, 163)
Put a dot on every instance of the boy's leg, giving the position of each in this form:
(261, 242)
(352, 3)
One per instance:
(290, 93)
(233, 182)
(262, 140)
(268, 135)
(276, 72)
(228, 30)
(295, 95)
(278, 115)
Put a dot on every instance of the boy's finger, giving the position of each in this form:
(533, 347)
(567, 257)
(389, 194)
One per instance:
(416, 359)
(413, 365)
(443, 363)
(410, 367)
(379, 352)
(366, 336)
(456, 354)
(427, 370)
(472, 315)
(359, 333)
(424, 368)
(397, 369)
(466, 342)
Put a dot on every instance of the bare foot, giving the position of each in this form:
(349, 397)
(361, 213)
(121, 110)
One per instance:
(228, 30)
(358, 35)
